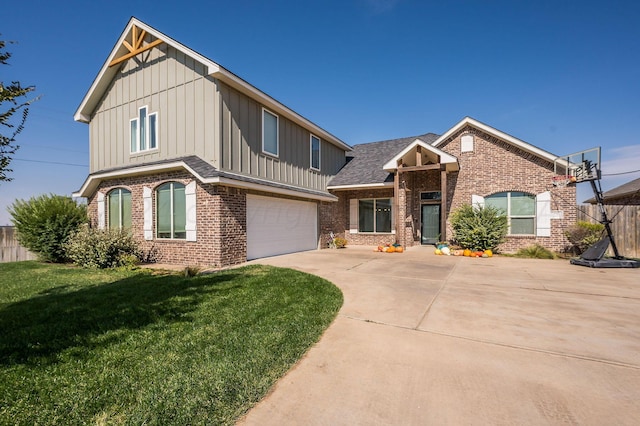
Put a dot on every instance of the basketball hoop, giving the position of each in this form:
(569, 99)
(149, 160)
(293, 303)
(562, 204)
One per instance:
(560, 181)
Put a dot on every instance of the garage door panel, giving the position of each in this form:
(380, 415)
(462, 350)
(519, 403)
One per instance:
(278, 226)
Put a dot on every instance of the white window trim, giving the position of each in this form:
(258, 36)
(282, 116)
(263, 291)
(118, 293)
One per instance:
(148, 213)
(311, 137)
(120, 211)
(171, 210)
(510, 216)
(147, 137)
(355, 225)
(277, 153)
(101, 210)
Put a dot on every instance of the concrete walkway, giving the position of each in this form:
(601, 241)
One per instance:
(425, 339)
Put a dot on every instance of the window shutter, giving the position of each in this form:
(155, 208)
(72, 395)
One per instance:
(353, 216)
(101, 210)
(190, 200)
(477, 201)
(543, 214)
(148, 213)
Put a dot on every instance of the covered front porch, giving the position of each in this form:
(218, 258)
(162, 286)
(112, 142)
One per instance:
(423, 183)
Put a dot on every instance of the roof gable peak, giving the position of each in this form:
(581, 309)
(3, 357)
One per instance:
(468, 121)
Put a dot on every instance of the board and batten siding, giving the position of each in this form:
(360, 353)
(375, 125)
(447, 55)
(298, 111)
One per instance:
(167, 82)
(241, 145)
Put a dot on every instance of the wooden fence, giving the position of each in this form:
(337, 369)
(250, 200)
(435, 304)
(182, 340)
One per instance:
(625, 226)
(10, 249)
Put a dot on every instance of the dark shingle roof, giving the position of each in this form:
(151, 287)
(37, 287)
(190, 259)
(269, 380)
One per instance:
(624, 190)
(366, 162)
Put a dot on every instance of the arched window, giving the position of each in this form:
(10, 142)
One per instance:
(520, 209)
(119, 208)
(171, 211)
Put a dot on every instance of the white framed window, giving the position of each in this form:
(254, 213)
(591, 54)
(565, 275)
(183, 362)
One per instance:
(520, 209)
(374, 215)
(314, 145)
(119, 208)
(143, 131)
(270, 124)
(171, 211)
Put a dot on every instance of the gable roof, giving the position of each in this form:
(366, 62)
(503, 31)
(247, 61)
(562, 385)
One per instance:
(449, 160)
(365, 162)
(498, 134)
(108, 72)
(625, 190)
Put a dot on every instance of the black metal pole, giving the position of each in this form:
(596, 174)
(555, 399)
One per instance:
(597, 191)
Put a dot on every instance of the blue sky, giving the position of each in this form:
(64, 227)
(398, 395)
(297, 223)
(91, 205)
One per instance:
(562, 75)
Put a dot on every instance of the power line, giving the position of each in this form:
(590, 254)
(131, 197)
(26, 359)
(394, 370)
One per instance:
(621, 173)
(51, 162)
(28, 145)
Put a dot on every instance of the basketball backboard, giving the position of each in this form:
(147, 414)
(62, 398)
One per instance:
(581, 166)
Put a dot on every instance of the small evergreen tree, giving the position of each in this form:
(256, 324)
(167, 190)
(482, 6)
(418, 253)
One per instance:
(44, 224)
(479, 228)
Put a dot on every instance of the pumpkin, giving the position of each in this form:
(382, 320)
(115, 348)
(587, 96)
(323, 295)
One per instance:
(466, 252)
(489, 253)
(479, 253)
(391, 249)
(399, 249)
(438, 251)
(445, 250)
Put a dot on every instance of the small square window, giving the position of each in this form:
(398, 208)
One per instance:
(466, 143)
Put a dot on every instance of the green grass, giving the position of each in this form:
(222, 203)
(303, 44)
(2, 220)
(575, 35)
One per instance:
(131, 347)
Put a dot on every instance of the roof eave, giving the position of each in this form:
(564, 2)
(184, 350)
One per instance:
(497, 133)
(106, 74)
(239, 84)
(449, 160)
(357, 186)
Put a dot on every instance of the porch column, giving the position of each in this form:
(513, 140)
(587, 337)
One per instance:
(443, 201)
(396, 201)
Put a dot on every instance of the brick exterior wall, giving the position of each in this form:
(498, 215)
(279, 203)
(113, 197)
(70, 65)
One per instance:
(493, 166)
(220, 221)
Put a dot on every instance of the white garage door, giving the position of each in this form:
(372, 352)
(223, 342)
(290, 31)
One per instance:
(278, 226)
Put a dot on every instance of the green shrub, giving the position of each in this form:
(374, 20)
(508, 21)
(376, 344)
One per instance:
(535, 251)
(478, 228)
(583, 235)
(103, 248)
(44, 224)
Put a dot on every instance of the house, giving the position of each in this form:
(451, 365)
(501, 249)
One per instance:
(422, 179)
(625, 194)
(205, 168)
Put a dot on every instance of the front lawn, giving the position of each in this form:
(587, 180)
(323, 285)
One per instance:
(132, 347)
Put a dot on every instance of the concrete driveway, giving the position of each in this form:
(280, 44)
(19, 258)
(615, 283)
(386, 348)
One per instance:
(425, 339)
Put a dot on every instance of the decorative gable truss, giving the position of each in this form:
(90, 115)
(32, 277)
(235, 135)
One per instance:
(136, 46)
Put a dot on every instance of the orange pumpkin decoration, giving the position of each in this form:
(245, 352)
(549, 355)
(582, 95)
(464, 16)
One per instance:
(391, 249)
(489, 253)
(399, 249)
(466, 252)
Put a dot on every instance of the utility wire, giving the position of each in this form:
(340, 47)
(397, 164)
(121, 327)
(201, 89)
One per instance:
(50, 162)
(621, 173)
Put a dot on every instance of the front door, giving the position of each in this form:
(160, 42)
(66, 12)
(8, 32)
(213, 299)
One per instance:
(430, 218)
